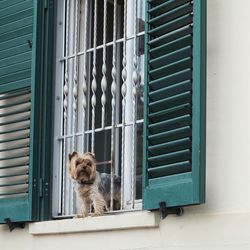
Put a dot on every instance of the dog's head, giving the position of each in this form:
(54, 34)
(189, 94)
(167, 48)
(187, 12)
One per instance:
(82, 167)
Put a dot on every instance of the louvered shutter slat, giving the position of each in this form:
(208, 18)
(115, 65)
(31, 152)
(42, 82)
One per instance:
(172, 79)
(170, 146)
(174, 129)
(160, 7)
(170, 169)
(166, 136)
(171, 57)
(170, 90)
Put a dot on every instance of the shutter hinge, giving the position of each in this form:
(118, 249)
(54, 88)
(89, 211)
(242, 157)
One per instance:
(41, 187)
(13, 225)
(164, 211)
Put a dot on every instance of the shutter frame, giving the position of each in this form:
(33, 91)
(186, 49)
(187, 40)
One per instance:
(188, 187)
(20, 209)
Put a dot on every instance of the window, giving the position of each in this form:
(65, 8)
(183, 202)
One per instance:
(89, 67)
(145, 124)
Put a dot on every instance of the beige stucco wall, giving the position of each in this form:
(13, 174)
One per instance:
(224, 221)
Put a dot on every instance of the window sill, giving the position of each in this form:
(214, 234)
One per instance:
(131, 220)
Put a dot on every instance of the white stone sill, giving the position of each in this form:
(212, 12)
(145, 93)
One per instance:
(131, 220)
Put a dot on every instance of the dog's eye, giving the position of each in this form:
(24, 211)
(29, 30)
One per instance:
(88, 164)
(77, 162)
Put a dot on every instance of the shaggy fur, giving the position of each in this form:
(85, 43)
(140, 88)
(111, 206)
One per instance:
(91, 187)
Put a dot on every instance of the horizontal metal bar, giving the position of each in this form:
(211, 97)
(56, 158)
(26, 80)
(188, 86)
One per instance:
(98, 130)
(103, 163)
(121, 40)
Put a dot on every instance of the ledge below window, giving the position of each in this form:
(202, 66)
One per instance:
(131, 220)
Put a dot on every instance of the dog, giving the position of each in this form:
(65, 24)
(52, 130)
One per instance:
(92, 188)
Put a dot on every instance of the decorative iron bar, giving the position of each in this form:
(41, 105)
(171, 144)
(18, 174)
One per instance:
(134, 93)
(84, 79)
(94, 84)
(105, 103)
(75, 87)
(113, 103)
(123, 92)
(104, 67)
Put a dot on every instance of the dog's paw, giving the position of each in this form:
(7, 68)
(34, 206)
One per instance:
(96, 214)
(77, 216)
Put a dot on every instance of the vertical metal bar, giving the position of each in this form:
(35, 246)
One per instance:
(75, 77)
(118, 106)
(69, 184)
(129, 104)
(75, 94)
(59, 109)
(123, 92)
(93, 84)
(113, 103)
(104, 67)
(65, 106)
(84, 82)
(135, 81)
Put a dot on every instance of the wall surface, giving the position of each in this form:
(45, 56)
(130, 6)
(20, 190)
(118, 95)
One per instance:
(224, 221)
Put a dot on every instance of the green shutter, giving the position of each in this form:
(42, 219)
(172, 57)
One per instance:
(18, 110)
(175, 99)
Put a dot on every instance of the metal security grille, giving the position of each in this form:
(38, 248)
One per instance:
(98, 94)
(14, 143)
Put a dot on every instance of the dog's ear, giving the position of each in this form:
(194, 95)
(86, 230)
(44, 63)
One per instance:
(92, 154)
(70, 156)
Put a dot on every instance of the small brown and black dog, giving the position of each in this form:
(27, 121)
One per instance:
(92, 188)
